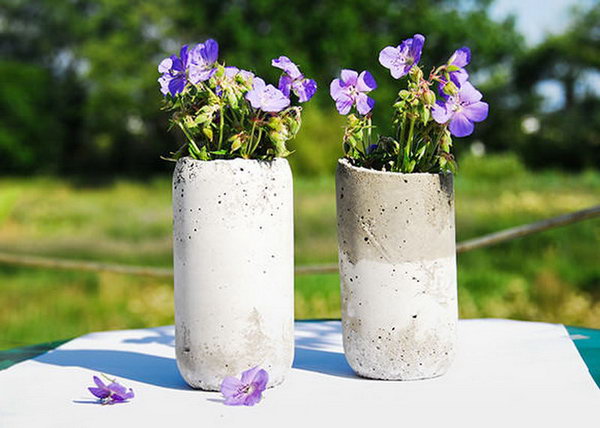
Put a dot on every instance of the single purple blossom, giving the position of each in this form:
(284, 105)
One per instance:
(460, 58)
(173, 69)
(293, 80)
(351, 89)
(399, 60)
(112, 393)
(248, 390)
(461, 110)
(202, 59)
(266, 97)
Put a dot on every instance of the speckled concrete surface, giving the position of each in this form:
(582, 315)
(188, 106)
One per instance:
(398, 272)
(234, 269)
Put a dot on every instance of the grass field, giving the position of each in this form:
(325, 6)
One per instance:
(551, 276)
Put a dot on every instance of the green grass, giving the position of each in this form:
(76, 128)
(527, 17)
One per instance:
(551, 276)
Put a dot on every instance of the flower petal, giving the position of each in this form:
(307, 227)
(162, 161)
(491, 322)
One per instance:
(117, 388)
(258, 83)
(209, 51)
(476, 112)
(184, 57)
(252, 398)
(439, 112)
(416, 47)
(254, 97)
(200, 73)
(273, 100)
(460, 125)
(349, 77)
(461, 57)
(285, 84)
(176, 85)
(304, 89)
(389, 56)
(336, 89)
(99, 392)
(261, 378)
(249, 375)
(246, 75)
(364, 103)
(366, 82)
(344, 103)
(230, 72)
(468, 94)
(122, 395)
(99, 382)
(230, 386)
(165, 65)
(286, 64)
(459, 77)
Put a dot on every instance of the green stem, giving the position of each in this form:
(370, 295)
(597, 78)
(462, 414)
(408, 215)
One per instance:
(260, 131)
(251, 142)
(191, 142)
(408, 144)
(366, 138)
(221, 124)
(399, 161)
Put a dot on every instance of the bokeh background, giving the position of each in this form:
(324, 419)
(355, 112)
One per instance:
(82, 132)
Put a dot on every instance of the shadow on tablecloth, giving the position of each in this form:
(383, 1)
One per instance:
(313, 352)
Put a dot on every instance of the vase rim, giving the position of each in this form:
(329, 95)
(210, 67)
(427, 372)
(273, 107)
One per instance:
(345, 162)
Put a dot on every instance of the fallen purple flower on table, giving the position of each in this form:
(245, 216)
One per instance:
(461, 110)
(293, 80)
(112, 393)
(248, 390)
(350, 89)
(173, 69)
(202, 59)
(266, 97)
(399, 60)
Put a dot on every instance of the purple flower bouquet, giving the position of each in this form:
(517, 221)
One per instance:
(426, 114)
(225, 112)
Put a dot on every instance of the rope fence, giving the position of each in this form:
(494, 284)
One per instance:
(461, 247)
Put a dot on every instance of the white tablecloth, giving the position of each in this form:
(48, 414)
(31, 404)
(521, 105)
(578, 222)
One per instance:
(507, 373)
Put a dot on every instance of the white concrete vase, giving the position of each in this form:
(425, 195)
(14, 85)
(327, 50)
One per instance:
(233, 251)
(397, 261)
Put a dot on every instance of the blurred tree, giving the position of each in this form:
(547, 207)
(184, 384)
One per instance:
(94, 99)
(566, 135)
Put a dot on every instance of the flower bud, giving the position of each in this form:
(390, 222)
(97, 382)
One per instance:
(416, 74)
(429, 97)
(450, 88)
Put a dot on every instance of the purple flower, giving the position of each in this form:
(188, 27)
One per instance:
(461, 110)
(399, 60)
(173, 70)
(266, 97)
(351, 89)
(460, 58)
(111, 393)
(202, 60)
(248, 390)
(293, 80)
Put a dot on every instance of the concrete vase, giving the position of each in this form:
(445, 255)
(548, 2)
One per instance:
(397, 260)
(234, 269)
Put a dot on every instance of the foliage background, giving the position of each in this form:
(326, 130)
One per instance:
(81, 133)
(82, 97)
